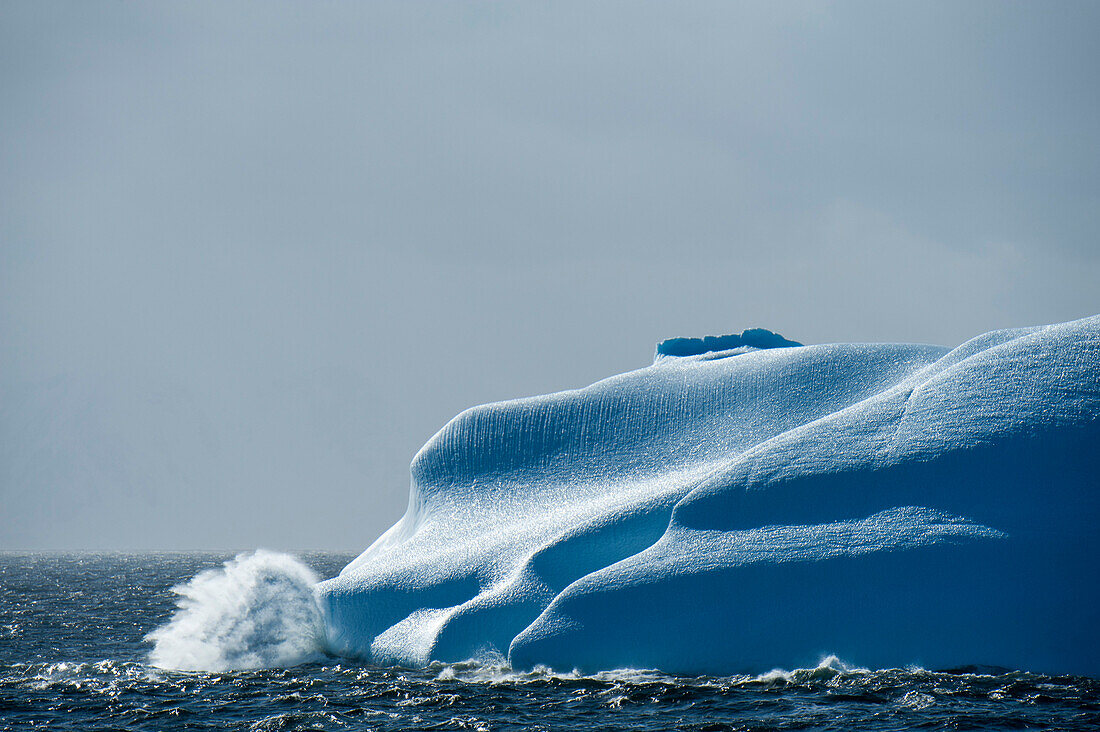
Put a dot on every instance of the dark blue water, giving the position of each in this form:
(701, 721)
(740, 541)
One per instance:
(73, 656)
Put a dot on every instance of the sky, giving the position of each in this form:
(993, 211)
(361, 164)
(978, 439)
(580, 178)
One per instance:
(254, 254)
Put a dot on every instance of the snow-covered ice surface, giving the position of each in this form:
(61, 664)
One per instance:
(757, 507)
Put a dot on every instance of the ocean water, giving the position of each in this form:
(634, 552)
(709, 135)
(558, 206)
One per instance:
(74, 655)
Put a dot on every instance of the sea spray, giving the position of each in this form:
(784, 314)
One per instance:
(259, 610)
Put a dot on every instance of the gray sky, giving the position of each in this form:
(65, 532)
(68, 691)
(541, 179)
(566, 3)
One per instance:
(252, 255)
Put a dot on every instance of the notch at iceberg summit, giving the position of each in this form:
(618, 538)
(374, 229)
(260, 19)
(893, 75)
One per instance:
(751, 340)
(746, 503)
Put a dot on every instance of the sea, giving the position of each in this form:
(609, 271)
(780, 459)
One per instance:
(74, 655)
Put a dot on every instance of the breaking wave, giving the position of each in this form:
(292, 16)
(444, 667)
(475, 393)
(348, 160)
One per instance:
(258, 610)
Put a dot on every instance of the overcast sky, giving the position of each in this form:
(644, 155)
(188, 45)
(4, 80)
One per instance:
(252, 255)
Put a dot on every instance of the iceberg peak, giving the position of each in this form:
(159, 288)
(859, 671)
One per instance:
(749, 340)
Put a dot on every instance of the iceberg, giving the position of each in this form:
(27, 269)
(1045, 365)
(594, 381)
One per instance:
(746, 503)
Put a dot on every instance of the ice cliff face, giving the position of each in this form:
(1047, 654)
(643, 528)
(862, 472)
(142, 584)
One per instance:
(741, 505)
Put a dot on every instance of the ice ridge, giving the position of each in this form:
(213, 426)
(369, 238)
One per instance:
(893, 504)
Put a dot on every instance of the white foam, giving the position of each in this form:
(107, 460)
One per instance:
(259, 610)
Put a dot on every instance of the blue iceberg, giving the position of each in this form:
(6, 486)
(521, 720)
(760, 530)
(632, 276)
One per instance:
(746, 503)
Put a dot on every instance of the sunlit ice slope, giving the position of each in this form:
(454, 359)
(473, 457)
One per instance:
(745, 503)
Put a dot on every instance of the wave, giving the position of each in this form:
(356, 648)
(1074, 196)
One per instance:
(258, 610)
(494, 669)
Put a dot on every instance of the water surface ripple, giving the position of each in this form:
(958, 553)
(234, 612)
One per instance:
(73, 655)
